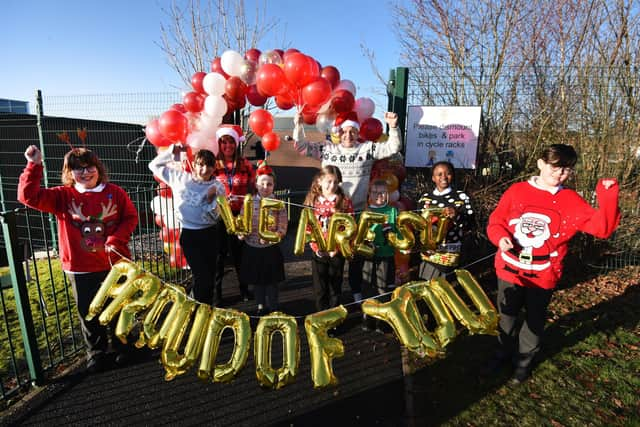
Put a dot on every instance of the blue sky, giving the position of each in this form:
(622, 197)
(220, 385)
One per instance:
(71, 47)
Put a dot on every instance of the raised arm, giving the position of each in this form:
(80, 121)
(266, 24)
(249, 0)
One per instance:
(29, 191)
(604, 221)
(159, 165)
(305, 148)
(393, 145)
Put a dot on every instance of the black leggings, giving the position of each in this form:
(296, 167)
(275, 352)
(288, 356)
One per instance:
(200, 248)
(327, 275)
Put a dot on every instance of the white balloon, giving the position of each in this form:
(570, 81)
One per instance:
(209, 124)
(201, 141)
(231, 62)
(347, 85)
(364, 108)
(213, 83)
(215, 106)
(394, 196)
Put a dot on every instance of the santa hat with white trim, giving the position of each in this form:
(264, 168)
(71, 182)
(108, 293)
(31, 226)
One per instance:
(233, 131)
(342, 122)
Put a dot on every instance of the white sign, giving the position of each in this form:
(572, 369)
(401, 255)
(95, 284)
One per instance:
(437, 134)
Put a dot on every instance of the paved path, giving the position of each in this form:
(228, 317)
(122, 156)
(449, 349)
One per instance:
(370, 389)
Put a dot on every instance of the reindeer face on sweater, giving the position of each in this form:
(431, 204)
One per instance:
(92, 228)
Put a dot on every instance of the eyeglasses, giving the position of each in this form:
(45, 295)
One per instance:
(87, 169)
(564, 170)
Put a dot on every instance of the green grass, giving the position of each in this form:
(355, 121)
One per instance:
(54, 315)
(589, 373)
(53, 312)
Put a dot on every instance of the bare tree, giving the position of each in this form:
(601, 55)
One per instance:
(198, 31)
(543, 71)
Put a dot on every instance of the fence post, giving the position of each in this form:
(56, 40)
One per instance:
(397, 90)
(21, 294)
(40, 115)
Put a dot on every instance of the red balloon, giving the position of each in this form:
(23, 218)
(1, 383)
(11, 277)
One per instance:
(235, 89)
(270, 79)
(178, 107)
(399, 170)
(254, 96)
(271, 141)
(217, 67)
(289, 52)
(152, 131)
(342, 101)
(253, 55)
(332, 75)
(169, 234)
(310, 118)
(196, 81)
(193, 102)
(280, 52)
(261, 123)
(298, 70)
(285, 101)
(234, 104)
(370, 129)
(173, 125)
(317, 92)
(163, 190)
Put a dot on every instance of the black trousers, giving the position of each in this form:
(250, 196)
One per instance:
(199, 247)
(523, 343)
(327, 275)
(355, 274)
(96, 336)
(229, 244)
(378, 275)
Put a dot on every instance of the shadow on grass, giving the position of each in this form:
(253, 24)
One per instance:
(438, 393)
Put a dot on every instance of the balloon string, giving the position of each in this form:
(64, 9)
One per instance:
(374, 297)
(140, 147)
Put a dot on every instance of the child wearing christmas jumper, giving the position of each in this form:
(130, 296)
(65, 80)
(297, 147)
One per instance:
(262, 261)
(194, 201)
(326, 197)
(379, 271)
(532, 226)
(95, 221)
(457, 206)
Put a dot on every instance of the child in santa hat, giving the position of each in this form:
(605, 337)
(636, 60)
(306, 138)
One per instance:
(262, 262)
(532, 226)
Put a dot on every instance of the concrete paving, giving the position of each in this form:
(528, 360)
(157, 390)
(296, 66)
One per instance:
(370, 389)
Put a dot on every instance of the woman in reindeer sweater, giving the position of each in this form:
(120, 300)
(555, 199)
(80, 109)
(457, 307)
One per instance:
(532, 226)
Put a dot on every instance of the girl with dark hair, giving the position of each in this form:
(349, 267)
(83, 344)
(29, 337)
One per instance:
(194, 201)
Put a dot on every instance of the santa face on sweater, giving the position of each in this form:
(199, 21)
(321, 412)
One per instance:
(532, 231)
